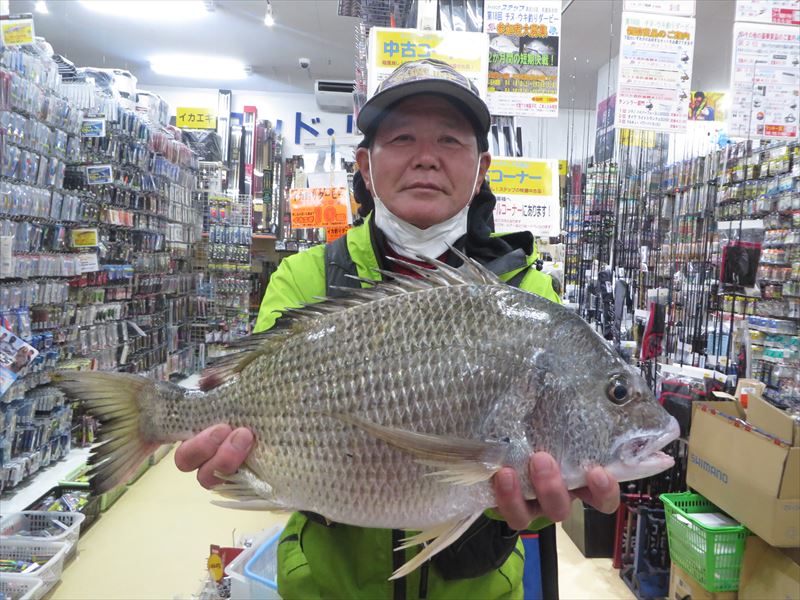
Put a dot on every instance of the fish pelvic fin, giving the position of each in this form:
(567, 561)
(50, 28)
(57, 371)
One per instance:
(460, 461)
(439, 536)
(125, 406)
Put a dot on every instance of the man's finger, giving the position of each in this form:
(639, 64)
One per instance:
(552, 494)
(192, 453)
(228, 458)
(604, 490)
(510, 503)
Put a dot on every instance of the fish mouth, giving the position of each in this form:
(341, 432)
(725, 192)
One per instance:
(641, 448)
(641, 456)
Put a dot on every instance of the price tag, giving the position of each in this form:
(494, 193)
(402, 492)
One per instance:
(17, 31)
(93, 127)
(84, 238)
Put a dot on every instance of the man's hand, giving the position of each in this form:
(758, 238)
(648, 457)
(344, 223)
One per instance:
(552, 497)
(218, 448)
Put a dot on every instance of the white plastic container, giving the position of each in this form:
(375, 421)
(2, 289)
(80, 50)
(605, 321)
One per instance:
(69, 523)
(53, 553)
(241, 584)
(261, 571)
(20, 587)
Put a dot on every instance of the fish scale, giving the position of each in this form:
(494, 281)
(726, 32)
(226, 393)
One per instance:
(395, 407)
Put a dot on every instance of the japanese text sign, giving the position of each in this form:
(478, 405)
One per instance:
(765, 81)
(195, 118)
(655, 72)
(527, 193)
(683, 8)
(777, 12)
(318, 207)
(524, 41)
(464, 51)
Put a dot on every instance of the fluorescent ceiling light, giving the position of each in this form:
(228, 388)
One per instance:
(198, 67)
(150, 10)
(41, 7)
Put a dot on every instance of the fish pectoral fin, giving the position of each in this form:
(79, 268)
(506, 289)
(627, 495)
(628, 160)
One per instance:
(440, 537)
(461, 473)
(246, 491)
(449, 452)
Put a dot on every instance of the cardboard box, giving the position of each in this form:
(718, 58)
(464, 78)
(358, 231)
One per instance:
(771, 419)
(683, 586)
(746, 474)
(769, 572)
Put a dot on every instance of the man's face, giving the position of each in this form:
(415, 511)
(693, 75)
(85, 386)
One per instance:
(424, 158)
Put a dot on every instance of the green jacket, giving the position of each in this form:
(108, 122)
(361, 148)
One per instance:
(341, 561)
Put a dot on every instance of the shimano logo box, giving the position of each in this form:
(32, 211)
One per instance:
(747, 471)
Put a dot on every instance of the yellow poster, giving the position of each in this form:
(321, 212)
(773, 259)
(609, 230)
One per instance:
(17, 32)
(522, 177)
(318, 207)
(195, 118)
(389, 48)
(527, 192)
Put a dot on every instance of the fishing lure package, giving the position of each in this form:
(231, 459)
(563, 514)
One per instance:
(97, 225)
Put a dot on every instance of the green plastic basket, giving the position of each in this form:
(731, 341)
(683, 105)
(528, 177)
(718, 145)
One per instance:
(712, 555)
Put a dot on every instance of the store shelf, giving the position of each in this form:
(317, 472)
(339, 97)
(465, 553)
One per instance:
(28, 491)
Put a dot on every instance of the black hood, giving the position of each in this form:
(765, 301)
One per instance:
(478, 242)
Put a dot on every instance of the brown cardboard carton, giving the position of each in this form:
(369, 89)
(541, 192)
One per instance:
(683, 586)
(773, 420)
(769, 573)
(746, 474)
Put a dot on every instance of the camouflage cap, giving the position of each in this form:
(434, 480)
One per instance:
(426, 76)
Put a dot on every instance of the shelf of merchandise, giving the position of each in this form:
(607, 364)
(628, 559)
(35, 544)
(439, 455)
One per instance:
(42, 481)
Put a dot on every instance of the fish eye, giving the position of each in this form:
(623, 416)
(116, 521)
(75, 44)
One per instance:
(617, 391)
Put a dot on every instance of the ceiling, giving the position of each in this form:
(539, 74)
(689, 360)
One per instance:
(313, 29)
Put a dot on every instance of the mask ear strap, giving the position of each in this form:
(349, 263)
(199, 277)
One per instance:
(372, 177)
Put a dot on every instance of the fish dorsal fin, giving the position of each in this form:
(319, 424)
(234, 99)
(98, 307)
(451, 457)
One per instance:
(436, 274)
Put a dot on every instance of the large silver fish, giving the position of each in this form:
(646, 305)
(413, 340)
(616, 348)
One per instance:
(394, 407)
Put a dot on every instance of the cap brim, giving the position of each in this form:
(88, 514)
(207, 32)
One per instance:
(372, 111)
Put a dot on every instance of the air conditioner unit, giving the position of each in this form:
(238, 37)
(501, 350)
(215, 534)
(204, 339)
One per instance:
(334, 96)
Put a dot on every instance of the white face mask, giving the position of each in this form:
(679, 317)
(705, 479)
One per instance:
(409, 240)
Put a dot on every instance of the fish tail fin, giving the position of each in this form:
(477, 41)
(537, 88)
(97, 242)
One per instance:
(126, 407)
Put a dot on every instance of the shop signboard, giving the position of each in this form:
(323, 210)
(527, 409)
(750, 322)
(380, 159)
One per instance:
(319, 207)
(776, 12)
(390, 47)
(195, 118)
(527, 193)
(655, 72)
(680, 8)
(765, 81)
(524, 44)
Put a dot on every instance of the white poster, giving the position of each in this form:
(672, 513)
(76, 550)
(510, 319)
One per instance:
(655, 72)
(390, 47)
(776, 12)
(524, 40)
(680, 8)
(527, 192)
(765, 81)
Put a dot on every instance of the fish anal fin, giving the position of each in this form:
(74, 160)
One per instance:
(442, 536)
(441, 450)
(245, 490)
